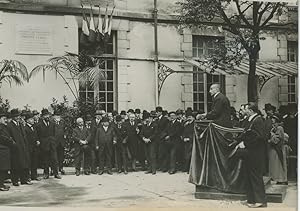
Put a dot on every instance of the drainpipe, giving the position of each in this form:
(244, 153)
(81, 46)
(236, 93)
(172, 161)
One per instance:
(155, 53)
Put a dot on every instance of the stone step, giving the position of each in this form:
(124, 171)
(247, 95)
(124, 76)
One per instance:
(274, 193)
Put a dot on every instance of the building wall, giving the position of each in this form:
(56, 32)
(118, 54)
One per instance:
(37, 93)
(135, 66)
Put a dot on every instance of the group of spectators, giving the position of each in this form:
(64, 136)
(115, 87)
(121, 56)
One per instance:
(129, 141)
(148, 141)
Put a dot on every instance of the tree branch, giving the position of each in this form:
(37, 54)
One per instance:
(241, 14)
(271, 15)
(261, 13)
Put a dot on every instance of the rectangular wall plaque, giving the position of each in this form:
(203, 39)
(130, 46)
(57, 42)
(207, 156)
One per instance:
(34, 39)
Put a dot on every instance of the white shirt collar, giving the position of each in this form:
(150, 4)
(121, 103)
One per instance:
(251, 117)
(215, 95)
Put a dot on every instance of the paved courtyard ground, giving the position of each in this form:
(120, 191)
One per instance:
(115, 191)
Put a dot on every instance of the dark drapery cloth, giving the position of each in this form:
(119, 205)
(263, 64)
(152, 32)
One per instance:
(210, 163)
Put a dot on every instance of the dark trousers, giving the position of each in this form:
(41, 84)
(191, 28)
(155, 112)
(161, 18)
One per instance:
(105, 154)
(94, 161)
(151, 156)
(3, 174)
(82, 153)
(60, 156)
(162, 154)
(19, 174)
(121, 156)
(255, 188)
(187, 155)
(180, 155)
(34, 162)
(50, 160)
(170, 160)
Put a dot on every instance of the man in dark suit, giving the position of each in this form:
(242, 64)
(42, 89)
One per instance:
(148, 137)
(162, 123)
(33, 143)
(121, 146)
(171, 140)
(95, 124)
(82, 150)
(187, 137)
(253, 141)
(6, 144)
(132, 129)
(46, 134)
(105, 138)
(20, 158)
(60, 138)
(220, 111)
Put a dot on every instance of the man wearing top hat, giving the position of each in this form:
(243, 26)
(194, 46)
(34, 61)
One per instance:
(46, 134)
(95, 124)
(20, 158)
(121, 148)
(148, 136)
(162, 123)
(33, 145)
(6, 145)
(60, 138)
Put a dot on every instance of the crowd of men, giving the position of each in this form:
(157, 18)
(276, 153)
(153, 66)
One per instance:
(156, 140)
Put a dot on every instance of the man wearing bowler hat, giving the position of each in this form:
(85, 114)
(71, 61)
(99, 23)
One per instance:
(33, 145)
(20, 158)
(46, 135)
(6, 144)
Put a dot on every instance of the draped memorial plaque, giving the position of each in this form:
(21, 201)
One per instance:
(212, 164)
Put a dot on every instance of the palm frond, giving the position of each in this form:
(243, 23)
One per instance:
(92, 74)
(39, 68)
(21, 69)
(11, 78)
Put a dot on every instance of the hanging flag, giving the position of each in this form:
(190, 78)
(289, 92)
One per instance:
(110, 21)
(99, 29)
(85, 29)
(92, 30)
(105, 26)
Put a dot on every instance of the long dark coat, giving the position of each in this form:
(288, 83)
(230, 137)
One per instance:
(32, 138)
(220, 111)
(60, 132)
(132, 137)
(20, 158)
(46, 135)
(6, 143)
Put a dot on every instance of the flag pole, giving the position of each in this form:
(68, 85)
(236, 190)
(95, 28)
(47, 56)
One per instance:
(156, 53)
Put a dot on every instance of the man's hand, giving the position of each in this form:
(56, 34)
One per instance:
(241, 145)
(97, 147)
(114, 142)
(167, 138)
(186, 139)
(38, 143)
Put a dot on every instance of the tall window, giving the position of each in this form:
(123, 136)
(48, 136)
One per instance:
(203, 46)
(104, 91)
(292, 57)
